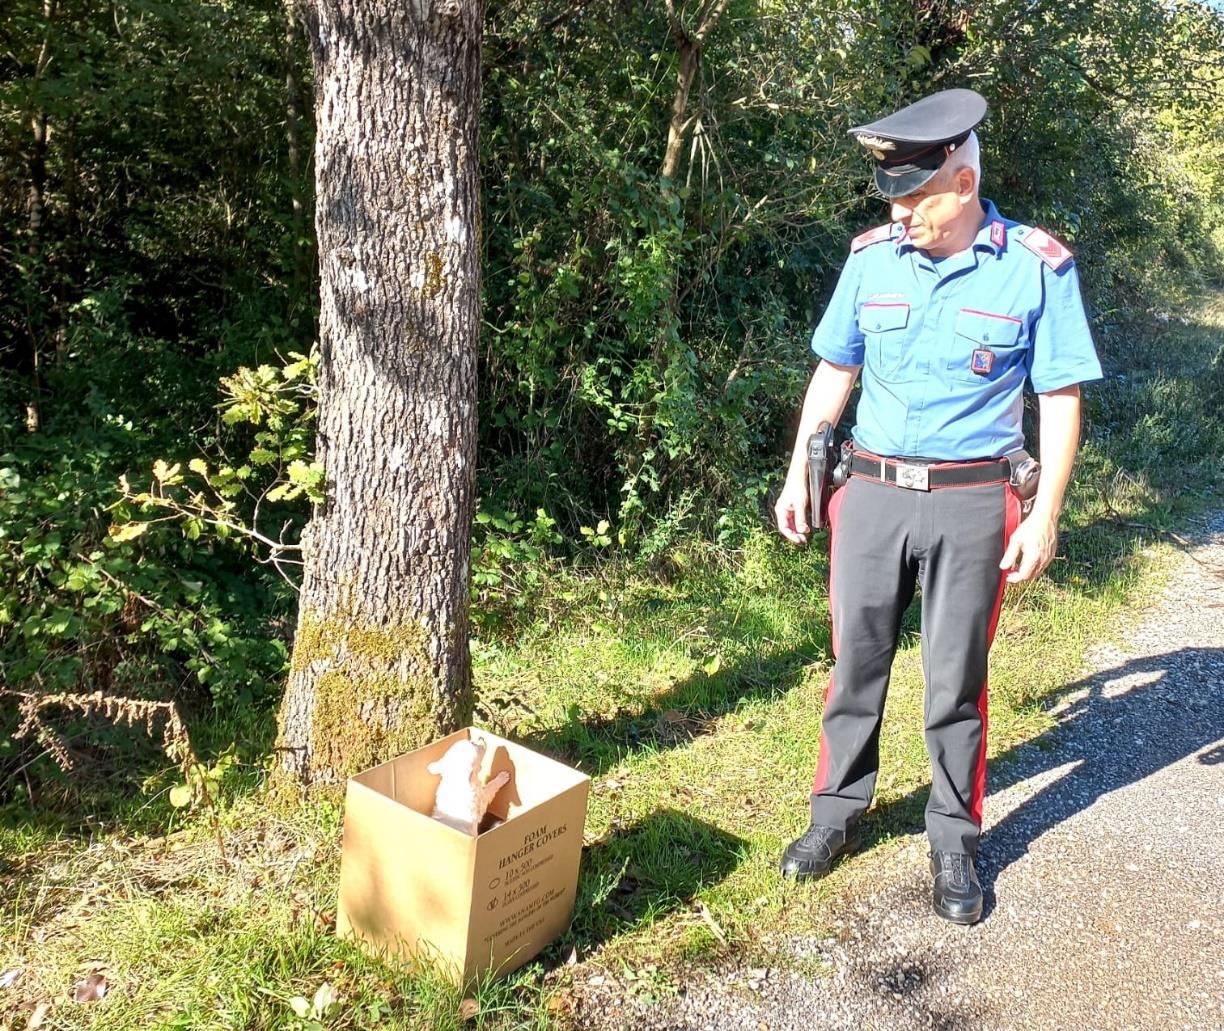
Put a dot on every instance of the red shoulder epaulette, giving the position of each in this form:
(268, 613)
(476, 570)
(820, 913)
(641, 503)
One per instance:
(875, 235)
(1046, 248)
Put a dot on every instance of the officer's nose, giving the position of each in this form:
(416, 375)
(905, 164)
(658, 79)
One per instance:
(901, 211)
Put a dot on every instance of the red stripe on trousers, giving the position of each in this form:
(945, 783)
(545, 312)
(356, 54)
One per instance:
(822, 763)
(1011, 520)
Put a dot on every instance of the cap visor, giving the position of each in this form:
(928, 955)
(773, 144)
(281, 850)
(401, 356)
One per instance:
(907, 182)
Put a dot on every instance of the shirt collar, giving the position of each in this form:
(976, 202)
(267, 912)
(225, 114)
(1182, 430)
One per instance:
(993, 234)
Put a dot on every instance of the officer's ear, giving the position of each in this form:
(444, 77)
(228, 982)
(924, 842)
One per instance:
(964, 182)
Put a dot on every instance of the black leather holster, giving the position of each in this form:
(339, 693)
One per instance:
(821, 458)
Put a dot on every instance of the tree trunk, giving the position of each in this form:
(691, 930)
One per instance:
(689, 52)
(380, 660)
(689, 44)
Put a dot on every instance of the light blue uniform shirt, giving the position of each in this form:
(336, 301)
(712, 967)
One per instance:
(946, 348)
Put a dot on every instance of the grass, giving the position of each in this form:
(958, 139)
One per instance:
(691, 694)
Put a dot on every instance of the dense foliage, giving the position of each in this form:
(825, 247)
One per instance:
(668, 189)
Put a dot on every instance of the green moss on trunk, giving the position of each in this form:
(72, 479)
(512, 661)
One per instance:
(374, 699)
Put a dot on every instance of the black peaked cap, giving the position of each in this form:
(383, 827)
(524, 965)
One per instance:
(910, 145)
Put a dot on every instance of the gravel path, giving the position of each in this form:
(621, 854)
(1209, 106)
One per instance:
(1103, 866)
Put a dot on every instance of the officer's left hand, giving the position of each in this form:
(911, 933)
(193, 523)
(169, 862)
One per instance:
(1031, 548)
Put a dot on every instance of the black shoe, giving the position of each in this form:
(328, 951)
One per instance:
(814, 854)
(957, 893)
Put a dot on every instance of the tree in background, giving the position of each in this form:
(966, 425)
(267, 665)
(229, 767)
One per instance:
(380, 660)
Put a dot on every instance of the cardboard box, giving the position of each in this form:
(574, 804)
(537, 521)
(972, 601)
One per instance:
(411, 886)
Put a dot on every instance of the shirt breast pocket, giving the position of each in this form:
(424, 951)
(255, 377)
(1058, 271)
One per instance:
(984, 346)
(883, 326)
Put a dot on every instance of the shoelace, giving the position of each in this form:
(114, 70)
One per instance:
(955, 865)
(820, 833)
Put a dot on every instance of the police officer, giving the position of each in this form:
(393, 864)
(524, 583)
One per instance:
(945, 312)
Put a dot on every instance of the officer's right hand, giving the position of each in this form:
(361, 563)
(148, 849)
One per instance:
(791, 512)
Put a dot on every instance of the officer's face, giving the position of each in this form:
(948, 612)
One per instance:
(933, 213)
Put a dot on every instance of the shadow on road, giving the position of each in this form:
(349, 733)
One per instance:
(1126, 724)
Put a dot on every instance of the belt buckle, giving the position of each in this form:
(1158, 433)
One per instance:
(912, 477)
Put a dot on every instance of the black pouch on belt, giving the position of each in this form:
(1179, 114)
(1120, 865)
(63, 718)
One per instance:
(820, 461)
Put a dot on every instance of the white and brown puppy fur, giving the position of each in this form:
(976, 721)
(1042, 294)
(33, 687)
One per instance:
(462, 799)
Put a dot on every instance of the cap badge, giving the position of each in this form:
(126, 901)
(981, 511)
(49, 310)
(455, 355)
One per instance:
(982, 361)
(876, 145)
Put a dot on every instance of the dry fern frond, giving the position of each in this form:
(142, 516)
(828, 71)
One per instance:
(133, 712)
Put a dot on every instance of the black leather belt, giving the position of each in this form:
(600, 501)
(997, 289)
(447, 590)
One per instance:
(917, 475)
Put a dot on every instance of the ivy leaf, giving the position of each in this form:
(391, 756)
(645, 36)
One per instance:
(180, 798)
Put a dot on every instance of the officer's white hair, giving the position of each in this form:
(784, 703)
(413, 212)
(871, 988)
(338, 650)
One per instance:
(967, 155)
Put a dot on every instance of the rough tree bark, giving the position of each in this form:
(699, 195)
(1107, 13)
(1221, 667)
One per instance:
(380, 660)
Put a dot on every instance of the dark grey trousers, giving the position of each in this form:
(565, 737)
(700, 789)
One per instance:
(884, 540)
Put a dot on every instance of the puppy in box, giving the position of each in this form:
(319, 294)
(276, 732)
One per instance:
(462, 798)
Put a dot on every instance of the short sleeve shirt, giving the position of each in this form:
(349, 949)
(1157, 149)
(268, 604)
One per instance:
(946, 347)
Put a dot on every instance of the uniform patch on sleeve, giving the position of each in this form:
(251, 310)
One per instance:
(1046, 248)
(875, 235)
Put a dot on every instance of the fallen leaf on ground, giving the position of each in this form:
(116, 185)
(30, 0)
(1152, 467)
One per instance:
(572, 958)
(711, 923)
(326, 1002)
(560, 1004)
(9, 977)
(469, 1009)
(90, 989)
(38, 1016)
